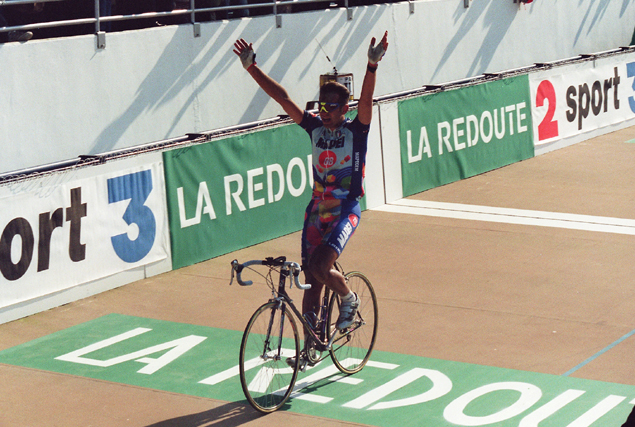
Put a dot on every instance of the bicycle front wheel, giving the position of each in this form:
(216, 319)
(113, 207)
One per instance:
(270, 338)
(352, 346)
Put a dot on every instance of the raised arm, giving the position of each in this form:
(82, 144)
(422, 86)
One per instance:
(365, 105)
(270, 86)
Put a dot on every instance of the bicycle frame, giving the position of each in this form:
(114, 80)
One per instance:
(284, 300)
(290, 271)
(318, 332)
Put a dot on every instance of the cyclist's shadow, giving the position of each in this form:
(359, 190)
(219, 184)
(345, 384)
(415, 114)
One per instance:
(234, 414)
(228, 415)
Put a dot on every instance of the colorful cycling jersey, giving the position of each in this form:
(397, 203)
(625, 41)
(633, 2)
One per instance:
(339, 158)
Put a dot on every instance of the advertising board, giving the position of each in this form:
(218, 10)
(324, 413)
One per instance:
(455, 134)
(65, 229)
(572, 100)
(228, 194)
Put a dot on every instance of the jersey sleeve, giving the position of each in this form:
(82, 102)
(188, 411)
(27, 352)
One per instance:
(359, 127)
(310, 122)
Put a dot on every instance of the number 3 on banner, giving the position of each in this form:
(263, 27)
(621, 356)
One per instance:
(548, 127)
(630, 72)
(135, 187)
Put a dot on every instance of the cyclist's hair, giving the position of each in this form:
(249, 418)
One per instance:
(336, 88)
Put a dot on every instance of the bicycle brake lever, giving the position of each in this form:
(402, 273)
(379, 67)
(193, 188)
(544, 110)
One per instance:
(237, 269)
(231, 279)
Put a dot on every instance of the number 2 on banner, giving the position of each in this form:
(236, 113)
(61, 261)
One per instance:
(548, 127)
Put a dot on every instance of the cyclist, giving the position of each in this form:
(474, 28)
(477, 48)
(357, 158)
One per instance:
(339, 154)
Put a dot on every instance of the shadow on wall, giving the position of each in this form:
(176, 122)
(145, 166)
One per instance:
(222, 42)
(189, 58)
(497, 26)
(145, 99)
(177, 59)
(594, 17)
(358, 35)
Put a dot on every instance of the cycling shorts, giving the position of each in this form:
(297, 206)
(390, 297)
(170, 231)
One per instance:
(329, 222)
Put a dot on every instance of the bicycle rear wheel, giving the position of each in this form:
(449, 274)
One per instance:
(270, 338)
(352, 347)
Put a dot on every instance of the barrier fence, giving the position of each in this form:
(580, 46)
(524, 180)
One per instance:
(102, 221)
(103, 13)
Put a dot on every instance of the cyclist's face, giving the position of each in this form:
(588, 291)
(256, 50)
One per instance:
(334, 118)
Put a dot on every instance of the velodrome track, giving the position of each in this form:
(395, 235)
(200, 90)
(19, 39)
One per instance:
(525, 274)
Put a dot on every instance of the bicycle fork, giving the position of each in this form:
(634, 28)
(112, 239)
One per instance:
(267, 348)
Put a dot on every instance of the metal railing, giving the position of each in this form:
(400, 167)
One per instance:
(172, 143)
(277, 8)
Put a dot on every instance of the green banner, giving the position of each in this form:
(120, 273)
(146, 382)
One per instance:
(232, 193)
(460, 133)
(392, 389)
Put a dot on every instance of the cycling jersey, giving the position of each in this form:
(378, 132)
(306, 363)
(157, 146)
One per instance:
(339, 158)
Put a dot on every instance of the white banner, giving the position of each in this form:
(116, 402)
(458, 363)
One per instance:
(571, 100)
(65, 229)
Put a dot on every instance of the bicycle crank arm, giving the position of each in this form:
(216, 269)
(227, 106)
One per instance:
(355, 326)
(329, 346)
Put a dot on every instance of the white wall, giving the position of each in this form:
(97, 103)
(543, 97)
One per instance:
(63, 97)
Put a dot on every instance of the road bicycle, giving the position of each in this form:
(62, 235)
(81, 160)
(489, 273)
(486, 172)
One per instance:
(271, 345)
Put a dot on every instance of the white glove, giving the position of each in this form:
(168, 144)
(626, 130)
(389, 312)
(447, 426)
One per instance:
(375, 53)
(245, 52)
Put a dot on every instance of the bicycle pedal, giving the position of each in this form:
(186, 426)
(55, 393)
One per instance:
(302, 364)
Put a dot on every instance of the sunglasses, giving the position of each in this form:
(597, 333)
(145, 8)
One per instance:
(329, 106)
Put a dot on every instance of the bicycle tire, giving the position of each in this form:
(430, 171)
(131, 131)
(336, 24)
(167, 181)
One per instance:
(268, 341)
(352, 349)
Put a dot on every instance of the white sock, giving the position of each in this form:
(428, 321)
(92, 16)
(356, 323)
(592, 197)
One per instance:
(348, 298)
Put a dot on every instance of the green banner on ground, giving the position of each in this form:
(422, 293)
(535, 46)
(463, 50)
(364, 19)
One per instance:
(392, 390)
(228, 194)
(448, 136)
